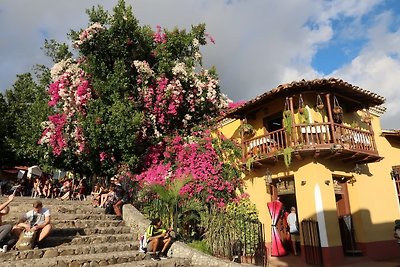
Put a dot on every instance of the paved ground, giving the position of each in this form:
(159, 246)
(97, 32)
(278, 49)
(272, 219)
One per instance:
(295, 261)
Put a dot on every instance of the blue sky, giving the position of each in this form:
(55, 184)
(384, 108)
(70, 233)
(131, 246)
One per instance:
(259, 43)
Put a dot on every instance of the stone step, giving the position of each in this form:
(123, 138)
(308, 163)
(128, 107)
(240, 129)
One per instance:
(46, 201)
(79, 223)
(90, 231)
(172, 262)
(14, 255)
(65, 216)
(99, 259)
(53, 241)
(71, 209)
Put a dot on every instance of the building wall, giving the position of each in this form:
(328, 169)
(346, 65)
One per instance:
(373, 200)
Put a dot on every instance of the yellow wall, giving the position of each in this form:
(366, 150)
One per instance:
(373, 200)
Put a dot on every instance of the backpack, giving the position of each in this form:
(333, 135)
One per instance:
(143, 243)
(26, 240)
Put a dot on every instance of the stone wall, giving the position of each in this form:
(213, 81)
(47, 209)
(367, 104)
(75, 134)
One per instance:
(134, 219)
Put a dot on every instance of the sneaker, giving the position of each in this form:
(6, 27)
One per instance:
(155, 258)
(5, 248)
(163, 256)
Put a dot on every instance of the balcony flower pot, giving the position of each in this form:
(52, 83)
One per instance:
(320, 106)
(337, 110)
(247, 130)
(367, 119)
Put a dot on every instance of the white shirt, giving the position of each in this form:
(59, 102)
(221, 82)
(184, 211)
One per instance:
(292, 222)
(37, 218)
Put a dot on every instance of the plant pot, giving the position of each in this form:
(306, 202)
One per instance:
(367, 120)
(320, 106)
(287, 113)
(301, 110)
(337, 110)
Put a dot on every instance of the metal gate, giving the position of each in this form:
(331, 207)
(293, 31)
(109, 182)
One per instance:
(312, 243)
(246, 243)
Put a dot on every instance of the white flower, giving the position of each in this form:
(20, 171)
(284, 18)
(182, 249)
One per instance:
(180, 70)
(195, 42)
(197, 56)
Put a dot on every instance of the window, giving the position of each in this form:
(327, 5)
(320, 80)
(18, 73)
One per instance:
(395, 173)
(273, 122)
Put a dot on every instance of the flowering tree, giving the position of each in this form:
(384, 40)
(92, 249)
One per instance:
(129, 88)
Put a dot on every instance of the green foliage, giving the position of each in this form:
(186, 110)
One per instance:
(26, 108)
(112, 128)
(287, 156)
(246, 129)
(287, 122)
(200, 245)
(6, 156)
(169, 196)
(304, 116)
(56, 51)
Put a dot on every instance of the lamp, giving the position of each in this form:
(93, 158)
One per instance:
(268, 177)
(394, 174)
(357, 169)
(303, 182)
(327, 182)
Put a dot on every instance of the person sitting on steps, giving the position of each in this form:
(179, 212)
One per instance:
(38, 219)
(6, 228)
(158, 240)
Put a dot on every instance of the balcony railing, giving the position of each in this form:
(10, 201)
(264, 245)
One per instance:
(328, 137)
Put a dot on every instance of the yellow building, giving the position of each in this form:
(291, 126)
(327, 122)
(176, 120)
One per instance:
(318, 146)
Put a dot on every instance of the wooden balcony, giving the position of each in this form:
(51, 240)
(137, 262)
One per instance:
(326, 140)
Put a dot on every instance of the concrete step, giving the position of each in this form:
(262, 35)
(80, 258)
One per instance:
(14, 255)
(99, 259)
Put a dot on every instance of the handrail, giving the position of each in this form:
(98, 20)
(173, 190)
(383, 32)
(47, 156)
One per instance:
(310, 136)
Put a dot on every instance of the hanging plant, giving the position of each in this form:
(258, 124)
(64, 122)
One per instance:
(355, 125)
(247, 129)
(366, 117)
(287, 156)
(320, 104)
(337, 109)
(301, 105)
(287, 120)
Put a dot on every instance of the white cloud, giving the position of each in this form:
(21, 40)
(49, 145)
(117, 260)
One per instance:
(377, 67)
(259, 44)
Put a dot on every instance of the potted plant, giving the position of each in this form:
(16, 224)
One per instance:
(366, 117)
(287, 121)
(247, 129)
(320, 105)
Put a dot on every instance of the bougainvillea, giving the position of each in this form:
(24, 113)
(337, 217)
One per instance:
(210, 161)
(69, 96)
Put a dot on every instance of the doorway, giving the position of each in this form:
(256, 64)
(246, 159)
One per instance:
(284, 191)
(344, 216)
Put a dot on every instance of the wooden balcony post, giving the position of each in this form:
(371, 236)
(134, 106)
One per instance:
(330, 117)
(294, 134)
(244, 152)
(371, 130)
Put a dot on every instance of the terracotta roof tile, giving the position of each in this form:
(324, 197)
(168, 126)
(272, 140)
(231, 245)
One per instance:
(336, 86)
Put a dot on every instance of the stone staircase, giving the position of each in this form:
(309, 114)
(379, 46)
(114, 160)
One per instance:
(82, 236)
